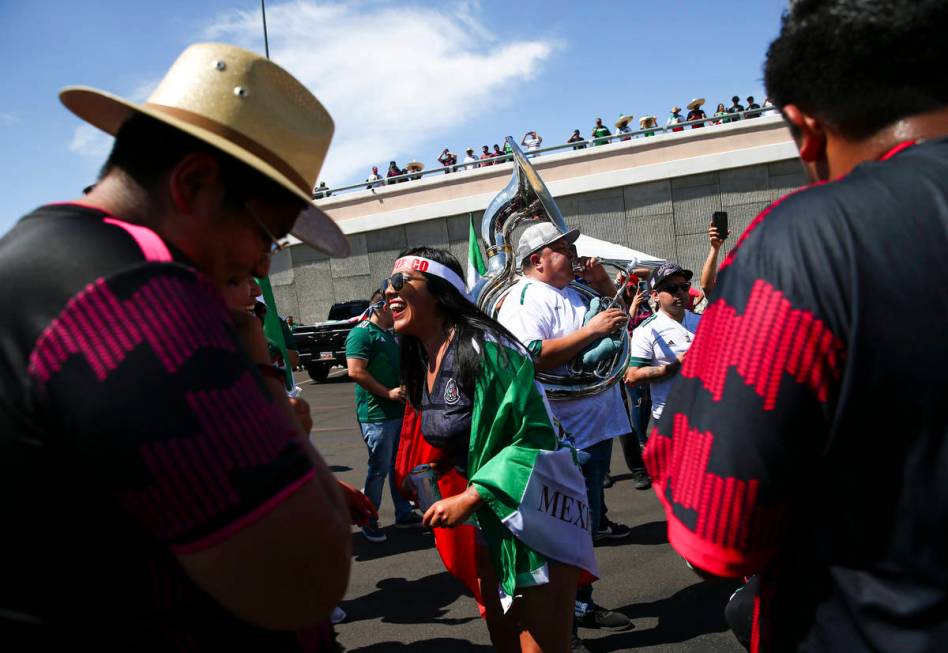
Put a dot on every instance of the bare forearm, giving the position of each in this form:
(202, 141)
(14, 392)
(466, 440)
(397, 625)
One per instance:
(651, 373)
(558, 351)
(709, 271)
(367, 381)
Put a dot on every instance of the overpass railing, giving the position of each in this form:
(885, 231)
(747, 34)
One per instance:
(658, 130)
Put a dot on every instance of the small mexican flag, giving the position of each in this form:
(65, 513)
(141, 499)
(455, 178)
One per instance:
(273, 329)
(475, 264)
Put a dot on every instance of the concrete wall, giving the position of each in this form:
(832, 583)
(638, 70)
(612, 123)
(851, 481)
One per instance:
(665, 217)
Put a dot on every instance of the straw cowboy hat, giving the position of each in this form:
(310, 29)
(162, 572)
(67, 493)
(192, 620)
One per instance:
(676, 109)
(623, 121)
(645, 120)
(245, 106)
(694, 104)
(414, 166)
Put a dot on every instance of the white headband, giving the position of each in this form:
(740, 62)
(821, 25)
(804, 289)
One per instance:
(432, 267)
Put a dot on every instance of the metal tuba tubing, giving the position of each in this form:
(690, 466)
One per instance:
(526, 198)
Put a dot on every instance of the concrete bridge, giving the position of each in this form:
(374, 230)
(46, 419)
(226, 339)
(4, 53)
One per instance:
(653, 194)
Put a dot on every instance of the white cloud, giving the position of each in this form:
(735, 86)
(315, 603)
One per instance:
(90, 141)
(93, 142)
(392, 76)
(8, 119)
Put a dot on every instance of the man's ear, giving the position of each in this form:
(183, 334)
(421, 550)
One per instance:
(534, 261)
(809, 133)
(191, 176)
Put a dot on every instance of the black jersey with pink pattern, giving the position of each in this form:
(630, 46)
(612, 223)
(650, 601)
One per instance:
(133, 427)
(806, 438)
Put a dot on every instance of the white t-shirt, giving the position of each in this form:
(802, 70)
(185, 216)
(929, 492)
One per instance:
(658, 341)
(532, 143)
(470, 159)
(534, 310)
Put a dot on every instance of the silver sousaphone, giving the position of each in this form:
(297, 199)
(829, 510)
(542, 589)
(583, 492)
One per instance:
(526, 199)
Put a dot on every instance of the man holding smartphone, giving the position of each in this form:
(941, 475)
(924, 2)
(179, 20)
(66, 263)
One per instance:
(717, 234)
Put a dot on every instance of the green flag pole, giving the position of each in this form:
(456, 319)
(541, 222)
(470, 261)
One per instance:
(273, 329)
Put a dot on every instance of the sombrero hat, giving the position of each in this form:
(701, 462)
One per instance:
(245, 106)
(623, 121)
(414, 166)
(644, 120)
(694, 104)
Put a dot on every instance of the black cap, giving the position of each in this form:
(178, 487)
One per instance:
(666, 270)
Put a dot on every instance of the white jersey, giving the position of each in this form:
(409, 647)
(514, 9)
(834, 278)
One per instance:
(658, 341)
(533, 311)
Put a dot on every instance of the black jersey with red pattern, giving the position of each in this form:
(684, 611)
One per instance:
(807, 437)
(133, 427)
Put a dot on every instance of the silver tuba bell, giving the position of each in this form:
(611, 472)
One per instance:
(526, 199)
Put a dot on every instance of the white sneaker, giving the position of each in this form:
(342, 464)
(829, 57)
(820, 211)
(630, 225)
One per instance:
(338, 615)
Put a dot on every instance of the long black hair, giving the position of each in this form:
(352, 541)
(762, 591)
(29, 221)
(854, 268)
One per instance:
(470, 324)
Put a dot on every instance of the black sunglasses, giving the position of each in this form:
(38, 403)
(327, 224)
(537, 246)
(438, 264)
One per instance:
(397, 281)
(673, 287)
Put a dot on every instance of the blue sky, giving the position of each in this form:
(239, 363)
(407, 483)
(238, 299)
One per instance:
(402, 79)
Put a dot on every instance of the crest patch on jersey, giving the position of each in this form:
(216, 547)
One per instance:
(451, 393)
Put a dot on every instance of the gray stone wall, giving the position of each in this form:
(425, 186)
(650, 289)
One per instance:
(666, 218)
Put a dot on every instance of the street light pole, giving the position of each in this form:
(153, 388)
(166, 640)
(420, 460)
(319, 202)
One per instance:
(266, 41)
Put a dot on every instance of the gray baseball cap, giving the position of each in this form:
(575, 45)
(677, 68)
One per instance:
(537, 236)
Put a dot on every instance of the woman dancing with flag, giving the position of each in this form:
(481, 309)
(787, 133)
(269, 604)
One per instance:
(487, 420)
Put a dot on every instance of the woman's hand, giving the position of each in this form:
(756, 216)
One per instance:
(453, 511)
(360, 507)
(303, 416)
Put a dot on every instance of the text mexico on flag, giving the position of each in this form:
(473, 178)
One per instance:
(553, 515)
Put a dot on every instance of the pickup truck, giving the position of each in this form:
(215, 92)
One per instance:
(323, 345)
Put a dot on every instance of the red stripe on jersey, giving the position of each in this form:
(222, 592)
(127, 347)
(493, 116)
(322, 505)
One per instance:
(770, 339)
(733, 534)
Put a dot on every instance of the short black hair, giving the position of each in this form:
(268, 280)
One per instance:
(860, 65)
(735, 99)
(146, 148)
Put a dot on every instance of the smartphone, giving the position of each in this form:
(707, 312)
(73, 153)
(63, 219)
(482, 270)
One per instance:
(719, 220)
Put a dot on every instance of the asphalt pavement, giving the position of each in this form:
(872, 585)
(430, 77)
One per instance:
(400, 598)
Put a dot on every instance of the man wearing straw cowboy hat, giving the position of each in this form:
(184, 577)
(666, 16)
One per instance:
(416, 167)
(159, 492)
(648, 122)
(622, 126)
(695, 112)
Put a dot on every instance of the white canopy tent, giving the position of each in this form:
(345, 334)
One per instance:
(589, 246)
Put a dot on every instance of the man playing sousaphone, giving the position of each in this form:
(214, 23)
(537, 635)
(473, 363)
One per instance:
(548, 316)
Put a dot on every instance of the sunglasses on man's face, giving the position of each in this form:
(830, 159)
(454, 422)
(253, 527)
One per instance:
(276, 244)
(673, 287)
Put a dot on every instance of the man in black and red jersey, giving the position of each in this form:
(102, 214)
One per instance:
(158, 491)
(777, 453)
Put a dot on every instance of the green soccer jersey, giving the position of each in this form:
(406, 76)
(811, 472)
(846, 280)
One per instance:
(379, 349)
